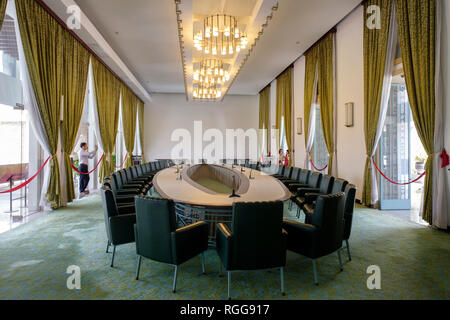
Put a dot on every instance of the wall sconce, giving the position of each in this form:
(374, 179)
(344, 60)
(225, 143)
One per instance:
(299, 126)
(349, 114)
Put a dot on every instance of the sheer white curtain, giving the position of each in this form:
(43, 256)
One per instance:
(389, 68)
(93, 112)
(440, 193)
(312, 122)
(31, 106)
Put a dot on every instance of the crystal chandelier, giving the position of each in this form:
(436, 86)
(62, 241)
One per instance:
(211, 72)
(220, 35)
(203, 91)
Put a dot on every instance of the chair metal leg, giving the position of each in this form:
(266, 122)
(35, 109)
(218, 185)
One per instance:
(138, 269)
(203, 263)
(282, 281)
(229, 285)
(107, 247)
(220, 269)
(113, 255)
(340, 259)
(348, 251)
(315, 273)
(298, 212)
(175, 276)
(290, 204)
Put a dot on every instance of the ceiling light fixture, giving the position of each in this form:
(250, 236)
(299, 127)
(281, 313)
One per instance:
(220, 35)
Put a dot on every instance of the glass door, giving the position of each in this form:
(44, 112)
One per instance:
(395, 152)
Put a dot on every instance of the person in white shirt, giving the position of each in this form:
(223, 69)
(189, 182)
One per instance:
(84, 157)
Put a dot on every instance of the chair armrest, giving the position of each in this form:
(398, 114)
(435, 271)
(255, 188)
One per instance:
(303, 191)
(308, 209)
(296, 185)
(189, 241)
(310, 197)
(223, 244)
(122, 228)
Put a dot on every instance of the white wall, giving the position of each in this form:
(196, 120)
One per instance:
(351, 148)
(299, 109)
(167, 112)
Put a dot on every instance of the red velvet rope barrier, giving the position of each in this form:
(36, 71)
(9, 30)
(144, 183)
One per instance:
(20, 186)
(398, 183)
(121, 166)
(318, 168)
(88, 173)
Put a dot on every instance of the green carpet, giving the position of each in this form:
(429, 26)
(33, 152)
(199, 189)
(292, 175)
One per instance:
(214, 185)
(414, 262)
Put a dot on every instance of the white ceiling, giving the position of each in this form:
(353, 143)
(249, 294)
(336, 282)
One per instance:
(144, 35)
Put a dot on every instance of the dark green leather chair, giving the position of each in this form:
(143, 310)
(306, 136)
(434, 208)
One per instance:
(338, 186)
(350, 197)
(159, 239)
(293, 178)
(280, 172)
(312, 179)
(323, 235)
(256, 239)
(119, 227)
(286, 174)
(300, 199)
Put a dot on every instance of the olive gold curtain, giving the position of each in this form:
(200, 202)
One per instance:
(379, 54)
(416, 20)
(129, 111)
(326, 90)
(2, 11)
(284, 106)
(264, 103)
(311, 58)
(140, 111)
(107, 95)
(43, 41)
(76, 68)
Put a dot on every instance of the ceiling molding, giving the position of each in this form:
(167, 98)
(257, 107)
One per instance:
(260, 33)
(181, 42)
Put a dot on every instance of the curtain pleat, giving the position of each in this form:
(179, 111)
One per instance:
(2, 11)
(326, 91)
(76, 68)
(140, 110)
(107, 95)
(375, 53)
(129, 110)
(416, 20)
(264, 103)
(284, 105)
(311, 58)
(43, 43)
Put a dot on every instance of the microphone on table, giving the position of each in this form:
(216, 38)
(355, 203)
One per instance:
(250, 177)
(233, 194)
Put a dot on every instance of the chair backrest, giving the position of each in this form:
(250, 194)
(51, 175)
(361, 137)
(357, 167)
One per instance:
(134, 172)
(295, 173)
(315, 178)
(155, 221)
(328, 218)
(140, 170)
(350, 197)
(148, 167)
(157, 165)
(326, 185)
(288, 172)
(280, 170)
(129, 174)
(109, 208)
(123, 176)
(339, 185)
(257, 235)
(303, 177)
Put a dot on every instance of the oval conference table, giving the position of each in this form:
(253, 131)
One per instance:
(207, 192)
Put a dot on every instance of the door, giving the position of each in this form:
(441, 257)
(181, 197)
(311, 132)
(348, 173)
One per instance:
(394, 160)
